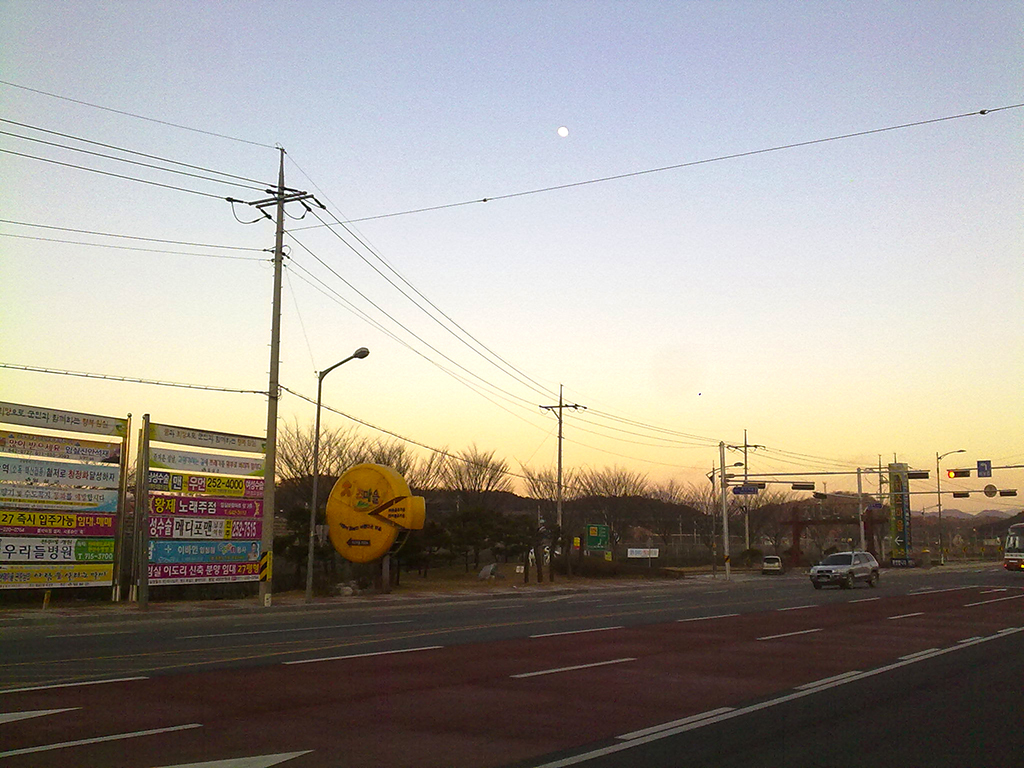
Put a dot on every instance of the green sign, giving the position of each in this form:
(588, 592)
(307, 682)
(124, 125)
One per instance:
(598, 537)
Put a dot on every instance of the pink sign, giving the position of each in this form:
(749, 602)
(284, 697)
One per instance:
(166, 527)
(200, 573)
(191, 505)
(13, 522)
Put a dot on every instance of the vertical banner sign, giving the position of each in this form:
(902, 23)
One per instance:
(61, 498)
(899, 520)
(204, 520)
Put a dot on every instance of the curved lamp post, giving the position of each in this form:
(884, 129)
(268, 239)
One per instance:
(360, 354)
(938, 494)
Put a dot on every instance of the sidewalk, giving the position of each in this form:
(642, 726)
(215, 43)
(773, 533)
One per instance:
(294, 601)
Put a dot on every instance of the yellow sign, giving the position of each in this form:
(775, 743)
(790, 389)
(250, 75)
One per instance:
(45, 575)
(367, 508)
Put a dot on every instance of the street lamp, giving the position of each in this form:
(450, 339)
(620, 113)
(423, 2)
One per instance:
(938, 493)
(360, 354)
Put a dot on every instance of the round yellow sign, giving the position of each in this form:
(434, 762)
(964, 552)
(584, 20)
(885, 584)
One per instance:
(367, 508)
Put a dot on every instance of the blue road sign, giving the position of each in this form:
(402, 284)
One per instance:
(741, 490)
(984, 469)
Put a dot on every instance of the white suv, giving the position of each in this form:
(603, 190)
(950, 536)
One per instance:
(845, 569)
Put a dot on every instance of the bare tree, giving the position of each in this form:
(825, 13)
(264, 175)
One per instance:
(474, 475)
(612, 482)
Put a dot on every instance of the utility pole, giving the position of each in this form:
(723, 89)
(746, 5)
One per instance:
(558, 409)
(277, 198)
(558, 486)
(746, 504)
(725, 512)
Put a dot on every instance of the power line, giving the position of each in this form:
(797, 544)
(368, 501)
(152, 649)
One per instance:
(130, 237)
(131, 379)
(262, 184)
(688, 164)
(137, 117)
(132, 248)
(130, 162)
(491, 357)
(110, 173)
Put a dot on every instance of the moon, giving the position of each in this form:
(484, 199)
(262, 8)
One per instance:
(563, 131)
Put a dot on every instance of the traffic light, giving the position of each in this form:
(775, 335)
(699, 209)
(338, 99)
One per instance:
(917, 474)
(1008, 492)
(803, 486)
(958, 473)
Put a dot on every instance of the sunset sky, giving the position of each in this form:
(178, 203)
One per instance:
(843, 301)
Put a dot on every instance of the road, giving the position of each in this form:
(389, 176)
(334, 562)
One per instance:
(754, 671)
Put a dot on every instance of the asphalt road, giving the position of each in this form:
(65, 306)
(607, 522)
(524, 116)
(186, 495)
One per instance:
(760, 670)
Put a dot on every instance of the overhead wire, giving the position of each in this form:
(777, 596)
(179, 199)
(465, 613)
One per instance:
(131, 237)
(137, 116)
(138, 163)
(688, 164)
(262, 184)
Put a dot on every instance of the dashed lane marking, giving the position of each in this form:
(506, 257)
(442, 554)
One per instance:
(574, 632)
(10, 717)
(365, 655)
(570, 669)
(791, 634)
(97, 740)
(73, 685)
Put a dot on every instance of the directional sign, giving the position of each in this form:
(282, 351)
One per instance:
(984, 469)
(368, 507)
(745, 490)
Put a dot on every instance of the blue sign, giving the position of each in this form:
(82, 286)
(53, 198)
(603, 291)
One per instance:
(745, 490)
(984, 469)
(193, 551)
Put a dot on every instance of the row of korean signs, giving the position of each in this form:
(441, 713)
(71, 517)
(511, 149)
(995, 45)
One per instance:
(64, 510)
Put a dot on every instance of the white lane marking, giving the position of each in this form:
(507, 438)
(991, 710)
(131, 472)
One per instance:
(556, 598)
(705, 618)
(970, 639)
(926, 652)
(865, 600)
(574, 632)
(797, 607)
(828, 680)
(906, 615)
(673, 723)
(73, 685)
(990, 591)
(296, 629)
(98, 740)
(10, 717)
(570, 669)
(791, 634)
(1010, 630)
(934, 591)
(365, 655)
(94, 634)
(993, 600)
(257, 761)
(663, 734)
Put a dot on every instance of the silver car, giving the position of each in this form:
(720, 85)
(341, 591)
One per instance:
(846, 569)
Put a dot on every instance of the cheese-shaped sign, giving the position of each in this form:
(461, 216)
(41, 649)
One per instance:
(368, 507)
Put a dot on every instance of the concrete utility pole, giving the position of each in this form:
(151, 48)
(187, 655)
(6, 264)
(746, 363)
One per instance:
(725, 513)
(558, 483)
(746, 471)
(277, 199)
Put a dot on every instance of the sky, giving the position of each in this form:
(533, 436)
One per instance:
(846, 302)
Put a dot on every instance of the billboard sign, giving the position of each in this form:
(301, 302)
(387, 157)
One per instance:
(59, 473)
(240, 487)
(63, 524)
(162, 433)
(31, 575)
(202, 507)
(68, 421)
(42, 497)
(164, 527)
(202, 573)
(165, 458)
(60, 447)
(899, 523)
(169, 551)
(25, 550)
